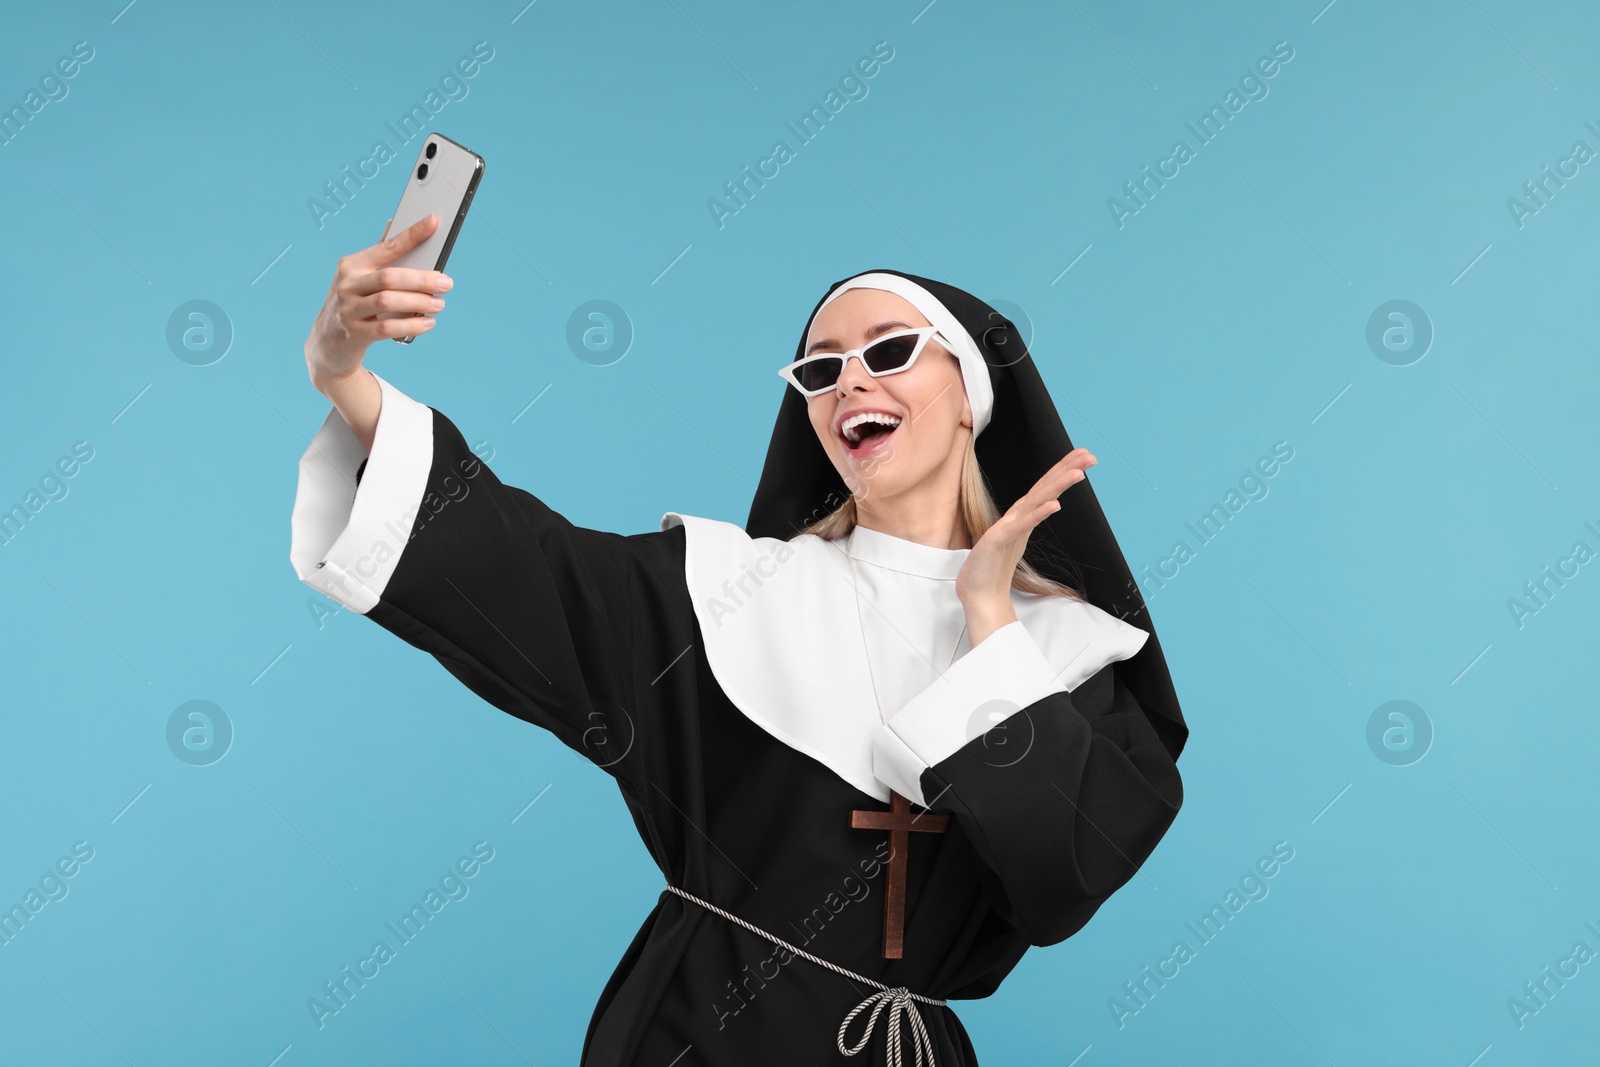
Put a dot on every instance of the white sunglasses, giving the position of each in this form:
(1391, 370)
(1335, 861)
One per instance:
(889, 354)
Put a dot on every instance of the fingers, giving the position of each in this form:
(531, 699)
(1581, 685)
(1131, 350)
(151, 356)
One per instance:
(1042, 512)
(363, 307)
(1067, 471)
(399, 278)
(406, 327)
(1049, 508)
(1077, 459)
(371, 330)
(389, 249)
(1013, 529)
(1041, 501)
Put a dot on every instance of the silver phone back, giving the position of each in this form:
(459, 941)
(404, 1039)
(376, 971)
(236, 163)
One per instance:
(452, 174)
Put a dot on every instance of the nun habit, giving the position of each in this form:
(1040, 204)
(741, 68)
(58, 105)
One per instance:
(721, 676)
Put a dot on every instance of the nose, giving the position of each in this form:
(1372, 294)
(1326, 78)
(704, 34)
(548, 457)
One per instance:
(854, 375)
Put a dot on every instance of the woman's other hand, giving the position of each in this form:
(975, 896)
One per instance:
(984, 583)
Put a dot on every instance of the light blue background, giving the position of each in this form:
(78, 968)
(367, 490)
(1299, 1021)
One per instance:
(1227, 315)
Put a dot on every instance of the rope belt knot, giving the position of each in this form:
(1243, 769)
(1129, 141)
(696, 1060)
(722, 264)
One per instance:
(899, 1000)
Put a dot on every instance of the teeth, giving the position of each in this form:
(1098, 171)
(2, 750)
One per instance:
(848, 427)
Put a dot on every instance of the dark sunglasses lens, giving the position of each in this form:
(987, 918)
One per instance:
(819, 373)
(891, 353)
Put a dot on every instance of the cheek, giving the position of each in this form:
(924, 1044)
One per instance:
(928, 394)
(821, 414)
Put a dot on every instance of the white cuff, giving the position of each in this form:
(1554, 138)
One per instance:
(345, 541)
(1003, 674)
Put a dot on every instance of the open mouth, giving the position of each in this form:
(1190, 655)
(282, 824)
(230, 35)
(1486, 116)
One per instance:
(868, 432)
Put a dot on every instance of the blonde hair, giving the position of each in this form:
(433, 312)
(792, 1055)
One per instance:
(976, 506)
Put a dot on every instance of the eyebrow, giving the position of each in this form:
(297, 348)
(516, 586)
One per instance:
(874, 331)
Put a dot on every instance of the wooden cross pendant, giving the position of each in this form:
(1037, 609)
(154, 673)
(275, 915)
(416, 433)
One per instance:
(899, 821)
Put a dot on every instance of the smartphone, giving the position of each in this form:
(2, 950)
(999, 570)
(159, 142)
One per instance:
(442, 183)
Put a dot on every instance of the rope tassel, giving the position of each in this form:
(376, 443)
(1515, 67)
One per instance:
(898, 1000)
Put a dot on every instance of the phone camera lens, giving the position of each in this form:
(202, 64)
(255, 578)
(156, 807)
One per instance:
(432, 150)
(422, 171)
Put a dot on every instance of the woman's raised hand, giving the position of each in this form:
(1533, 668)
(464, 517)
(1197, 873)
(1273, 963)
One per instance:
(364, 284)
(984, 583)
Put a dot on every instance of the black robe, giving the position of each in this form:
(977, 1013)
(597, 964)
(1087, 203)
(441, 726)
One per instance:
(592, 636)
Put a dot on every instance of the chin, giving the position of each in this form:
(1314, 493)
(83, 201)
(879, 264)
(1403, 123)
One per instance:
(876, 478)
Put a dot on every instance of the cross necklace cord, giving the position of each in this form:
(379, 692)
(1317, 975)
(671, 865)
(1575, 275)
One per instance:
(898, 820)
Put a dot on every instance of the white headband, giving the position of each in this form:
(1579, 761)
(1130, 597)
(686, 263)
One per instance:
(974, 370)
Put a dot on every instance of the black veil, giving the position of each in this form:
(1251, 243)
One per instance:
(1023, 439)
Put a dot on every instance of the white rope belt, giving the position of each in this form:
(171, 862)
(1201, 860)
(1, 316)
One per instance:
(899, 999)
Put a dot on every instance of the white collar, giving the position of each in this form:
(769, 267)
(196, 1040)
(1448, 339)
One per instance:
(779, 623)
(912, 557)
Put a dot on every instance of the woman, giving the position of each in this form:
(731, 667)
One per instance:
(761, 694)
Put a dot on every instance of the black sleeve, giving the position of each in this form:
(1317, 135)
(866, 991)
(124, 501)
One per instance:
(533, 614)
(1064, 800)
